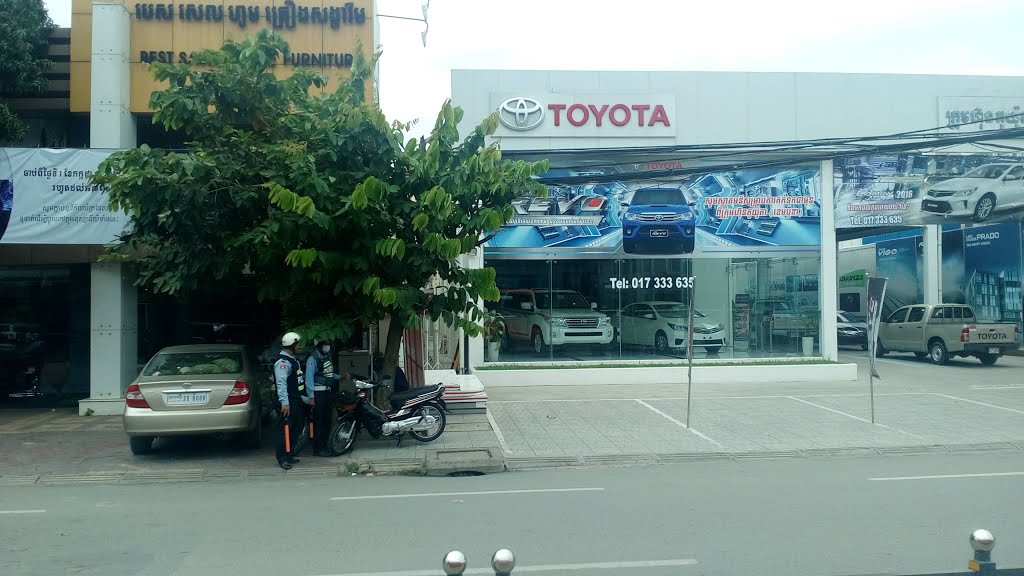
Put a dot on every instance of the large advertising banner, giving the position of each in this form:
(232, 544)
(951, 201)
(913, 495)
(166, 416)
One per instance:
(702, 215)
(46, 198)
(953, 267)
(992, 272)
(897, 261)
(914, 190)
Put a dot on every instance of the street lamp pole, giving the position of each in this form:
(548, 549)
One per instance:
(423, 34)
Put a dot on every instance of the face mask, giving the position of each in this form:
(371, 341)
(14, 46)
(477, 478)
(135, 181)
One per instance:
(326, 348)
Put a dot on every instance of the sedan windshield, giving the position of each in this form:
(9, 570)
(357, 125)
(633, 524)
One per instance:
(562, 301)
(194, 363)
(676, 311)
(991, 172)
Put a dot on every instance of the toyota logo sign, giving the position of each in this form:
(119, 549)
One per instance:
(520, 114)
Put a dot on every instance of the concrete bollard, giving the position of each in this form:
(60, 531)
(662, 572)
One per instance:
(982, 541)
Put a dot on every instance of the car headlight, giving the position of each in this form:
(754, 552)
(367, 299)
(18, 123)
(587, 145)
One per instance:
(558, 321)
(967, 192)
(677, 327)
(604, 321)
(686, 216)
(630, 216)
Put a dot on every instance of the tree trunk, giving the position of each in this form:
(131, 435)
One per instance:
(391, 349)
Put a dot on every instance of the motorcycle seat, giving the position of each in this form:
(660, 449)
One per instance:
(399, 398)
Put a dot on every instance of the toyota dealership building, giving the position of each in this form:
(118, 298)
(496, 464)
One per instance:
(664, 196)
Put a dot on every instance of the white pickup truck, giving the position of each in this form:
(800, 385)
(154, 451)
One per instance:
(943, 331)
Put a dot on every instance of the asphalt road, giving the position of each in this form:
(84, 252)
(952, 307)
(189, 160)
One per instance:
(763, 517)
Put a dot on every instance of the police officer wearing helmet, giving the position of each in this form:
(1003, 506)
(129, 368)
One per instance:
(291, 393)
(324, 381)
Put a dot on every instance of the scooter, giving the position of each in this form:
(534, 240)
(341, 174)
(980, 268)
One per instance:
(420, 412)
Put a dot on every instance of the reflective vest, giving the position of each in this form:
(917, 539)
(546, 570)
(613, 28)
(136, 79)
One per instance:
(296, 383)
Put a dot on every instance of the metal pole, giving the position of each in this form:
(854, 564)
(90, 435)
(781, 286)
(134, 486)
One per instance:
(454, 563)
(689, 354)
(465, 352)
(503, 562)
(982, 541)
(871, 383)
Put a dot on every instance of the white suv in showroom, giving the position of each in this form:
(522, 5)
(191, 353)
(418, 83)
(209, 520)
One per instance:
(978, 193)
(542, 317)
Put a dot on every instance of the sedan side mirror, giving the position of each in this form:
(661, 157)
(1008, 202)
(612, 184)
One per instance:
(526, 306)
(649, 316)
(593, 305)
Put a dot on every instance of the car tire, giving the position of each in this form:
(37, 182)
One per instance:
(141, 444)
(988, 359)
(661, 344)
(985, 207)
(937, 352)
(880, 350)
(864, 346)
(687, 246)
(537, 341)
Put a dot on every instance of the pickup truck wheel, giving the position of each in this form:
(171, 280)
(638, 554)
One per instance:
(988, 359)
(937, 352)
(537, 341)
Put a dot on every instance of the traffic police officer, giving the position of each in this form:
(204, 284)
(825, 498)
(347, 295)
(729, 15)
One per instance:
(291, 391)
(320, 373)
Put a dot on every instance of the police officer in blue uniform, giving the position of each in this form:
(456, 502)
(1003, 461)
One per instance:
(324, 381)
(291, 395)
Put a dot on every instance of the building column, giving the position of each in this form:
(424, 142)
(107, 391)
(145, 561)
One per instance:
(932, 265)
(828, 289)
(474, 261)
(113, 338)
(111, 124)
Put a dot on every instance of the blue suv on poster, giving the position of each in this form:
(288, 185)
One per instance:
(658, 220)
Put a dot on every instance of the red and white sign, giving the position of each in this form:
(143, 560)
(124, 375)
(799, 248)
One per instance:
(597, 115)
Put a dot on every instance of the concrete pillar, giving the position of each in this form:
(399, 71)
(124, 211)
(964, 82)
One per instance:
(113, 338)
(827, 279)
(932, 265)
(474, 260)
(111, 124)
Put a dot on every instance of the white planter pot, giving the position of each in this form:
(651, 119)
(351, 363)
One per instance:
(807, 342)
(493, 350)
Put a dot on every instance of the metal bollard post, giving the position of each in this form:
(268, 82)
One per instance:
(982, 541)
(454, 563)
(503, 562)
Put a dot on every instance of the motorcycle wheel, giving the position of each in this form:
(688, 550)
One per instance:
(343, 436)
(429, 435)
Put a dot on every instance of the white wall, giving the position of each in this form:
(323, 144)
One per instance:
(716, 107)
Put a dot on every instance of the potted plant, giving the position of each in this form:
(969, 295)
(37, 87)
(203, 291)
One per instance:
(809, 320)
(494, 333)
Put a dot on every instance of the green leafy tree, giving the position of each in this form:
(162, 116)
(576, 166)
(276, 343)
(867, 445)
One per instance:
(316, 194)
(24, 32)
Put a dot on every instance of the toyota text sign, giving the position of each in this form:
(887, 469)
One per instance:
(556, 115)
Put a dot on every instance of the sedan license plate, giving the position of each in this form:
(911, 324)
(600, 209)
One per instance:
(993, 350)
(659, 233)
(187, 398)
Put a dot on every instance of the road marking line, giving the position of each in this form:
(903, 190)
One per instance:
(480, 493)
(866, 421)
(997, 387)
(978, 403)
(758, 397)
(947, 476)
(698, 434)
(22, 511)
(497, 432)
(543, 568)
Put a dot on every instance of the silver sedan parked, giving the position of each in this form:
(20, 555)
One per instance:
(195, 390)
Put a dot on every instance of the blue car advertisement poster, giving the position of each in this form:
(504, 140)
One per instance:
(897, 260)
(992, 272)
(700, 215)
(915, 190)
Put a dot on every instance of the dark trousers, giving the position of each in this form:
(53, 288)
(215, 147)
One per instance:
(322, 411)
(294, 421)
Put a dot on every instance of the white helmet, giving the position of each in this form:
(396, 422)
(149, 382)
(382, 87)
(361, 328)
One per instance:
(290, 339)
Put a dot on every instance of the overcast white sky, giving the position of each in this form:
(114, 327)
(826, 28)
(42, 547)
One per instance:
(898, 36)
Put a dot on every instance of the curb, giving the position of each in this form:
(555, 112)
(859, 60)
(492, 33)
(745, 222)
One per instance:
(541, 462)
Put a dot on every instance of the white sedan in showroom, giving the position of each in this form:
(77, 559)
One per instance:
(663, 325)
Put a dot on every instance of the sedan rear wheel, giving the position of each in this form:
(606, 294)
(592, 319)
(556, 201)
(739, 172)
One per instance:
(141, 444)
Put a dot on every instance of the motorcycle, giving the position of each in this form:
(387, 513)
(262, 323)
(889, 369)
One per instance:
(420, 412)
